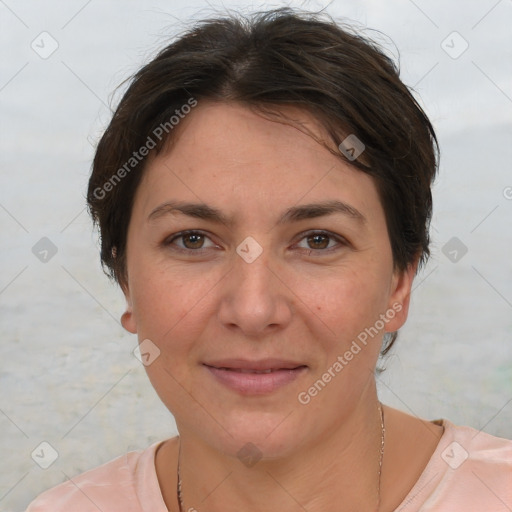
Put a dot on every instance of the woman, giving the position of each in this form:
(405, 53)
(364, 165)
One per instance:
(263, 196)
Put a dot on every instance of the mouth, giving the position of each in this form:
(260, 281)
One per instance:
(243, 370)
(255, 377)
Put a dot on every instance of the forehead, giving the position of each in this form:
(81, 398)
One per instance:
(230, 156)
(230, 135)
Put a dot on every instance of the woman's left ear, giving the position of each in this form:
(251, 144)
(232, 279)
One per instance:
(399, 299)
(128, 318)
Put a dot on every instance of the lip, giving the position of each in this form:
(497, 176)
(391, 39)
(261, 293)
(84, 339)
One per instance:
(240, 375)
(256, 365)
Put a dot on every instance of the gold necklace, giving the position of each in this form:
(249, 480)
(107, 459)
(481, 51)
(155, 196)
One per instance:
(381, 456)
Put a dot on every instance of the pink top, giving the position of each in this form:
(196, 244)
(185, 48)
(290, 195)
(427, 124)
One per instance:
(470, 471)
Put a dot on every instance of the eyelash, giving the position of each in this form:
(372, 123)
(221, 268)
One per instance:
(169, 241)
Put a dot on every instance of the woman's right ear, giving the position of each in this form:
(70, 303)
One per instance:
(128, 318)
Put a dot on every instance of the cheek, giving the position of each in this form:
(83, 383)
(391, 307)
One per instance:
(171, 307)
(346, 301)
(168, 312)
(346, 307)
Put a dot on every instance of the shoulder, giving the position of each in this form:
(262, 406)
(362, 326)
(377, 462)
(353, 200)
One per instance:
(476, 452)
(469, 470)
(114, 484)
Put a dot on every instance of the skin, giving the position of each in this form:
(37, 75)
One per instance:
(303, 298)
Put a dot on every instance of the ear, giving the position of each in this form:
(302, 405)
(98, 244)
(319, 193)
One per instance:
(399, 299)
(128, 318)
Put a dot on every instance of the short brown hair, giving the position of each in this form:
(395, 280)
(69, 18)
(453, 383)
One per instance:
(276, 58)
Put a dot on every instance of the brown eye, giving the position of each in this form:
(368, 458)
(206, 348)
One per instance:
(318, 241)
(193, 240)
(321, 242)
(189, 241)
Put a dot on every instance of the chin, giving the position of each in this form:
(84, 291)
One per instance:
(260, 435)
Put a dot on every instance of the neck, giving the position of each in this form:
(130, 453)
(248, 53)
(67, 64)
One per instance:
(340, 472)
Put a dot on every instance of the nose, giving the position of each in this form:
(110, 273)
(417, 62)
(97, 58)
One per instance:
(254, 300)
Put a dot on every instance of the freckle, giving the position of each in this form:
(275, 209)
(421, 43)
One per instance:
(319, 308)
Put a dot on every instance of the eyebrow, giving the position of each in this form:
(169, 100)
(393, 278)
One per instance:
(293, 214)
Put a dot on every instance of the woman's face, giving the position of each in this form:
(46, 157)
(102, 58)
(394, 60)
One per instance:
(252, 247)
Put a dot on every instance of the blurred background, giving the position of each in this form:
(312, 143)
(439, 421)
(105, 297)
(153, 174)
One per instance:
(68, 377)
